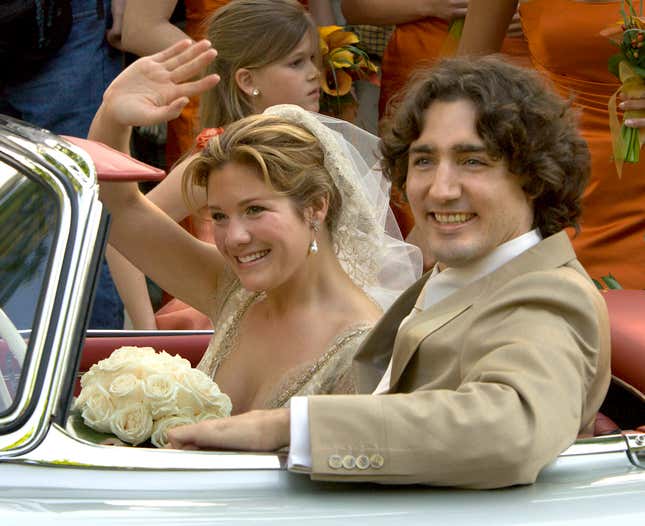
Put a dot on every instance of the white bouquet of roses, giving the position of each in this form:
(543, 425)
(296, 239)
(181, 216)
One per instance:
(138, 394)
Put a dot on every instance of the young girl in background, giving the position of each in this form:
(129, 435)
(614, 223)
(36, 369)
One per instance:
(147, 29)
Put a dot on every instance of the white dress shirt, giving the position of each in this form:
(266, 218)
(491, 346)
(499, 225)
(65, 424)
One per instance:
(439, 286)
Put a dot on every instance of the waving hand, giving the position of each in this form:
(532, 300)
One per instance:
(154, 89)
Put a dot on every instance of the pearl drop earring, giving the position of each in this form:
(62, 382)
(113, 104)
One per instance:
(313, 246)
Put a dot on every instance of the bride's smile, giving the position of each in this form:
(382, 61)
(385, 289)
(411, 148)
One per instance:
(255, 256)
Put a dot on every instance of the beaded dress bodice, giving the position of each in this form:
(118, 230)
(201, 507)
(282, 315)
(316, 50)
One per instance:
(330, 373)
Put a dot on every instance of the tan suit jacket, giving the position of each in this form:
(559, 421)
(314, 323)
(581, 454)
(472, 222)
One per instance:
(488, 386)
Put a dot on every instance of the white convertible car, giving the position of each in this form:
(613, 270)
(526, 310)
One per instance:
(52, 232)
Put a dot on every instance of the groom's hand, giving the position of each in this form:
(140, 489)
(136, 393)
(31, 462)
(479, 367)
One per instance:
(266, 430)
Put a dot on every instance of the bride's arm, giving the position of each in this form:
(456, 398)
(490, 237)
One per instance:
(155, 89)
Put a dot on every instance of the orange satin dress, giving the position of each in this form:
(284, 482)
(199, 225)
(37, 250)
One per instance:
(565, 45)
(413, 46)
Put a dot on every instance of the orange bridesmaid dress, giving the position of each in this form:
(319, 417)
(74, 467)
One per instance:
(565, 45)
(412, 46)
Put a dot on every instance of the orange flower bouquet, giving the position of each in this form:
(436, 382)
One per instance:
(629, 66)
(343, 62)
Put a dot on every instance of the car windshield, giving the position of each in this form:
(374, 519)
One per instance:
(28, 225)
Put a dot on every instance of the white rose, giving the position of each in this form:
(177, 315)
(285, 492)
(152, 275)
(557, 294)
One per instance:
(112, 364)
(97, 408)
(175, 365)
(96, 376)
(89, 376)
(187, 403)
(160, 428)
(160, 391)
(126, 388)
(85, 393)
(133, 352)
(207, 393)
(132, 424)
(124, 357)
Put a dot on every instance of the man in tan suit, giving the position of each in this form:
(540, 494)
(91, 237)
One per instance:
(491, 365)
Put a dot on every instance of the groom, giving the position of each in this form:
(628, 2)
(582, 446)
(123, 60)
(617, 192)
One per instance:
(489, 366)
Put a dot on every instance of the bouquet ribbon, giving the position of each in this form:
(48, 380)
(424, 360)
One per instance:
(626, 141)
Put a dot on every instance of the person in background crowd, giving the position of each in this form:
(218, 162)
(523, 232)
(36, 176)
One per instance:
(147, 29)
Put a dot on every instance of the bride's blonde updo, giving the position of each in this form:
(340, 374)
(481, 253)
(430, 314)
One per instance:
(289, 157)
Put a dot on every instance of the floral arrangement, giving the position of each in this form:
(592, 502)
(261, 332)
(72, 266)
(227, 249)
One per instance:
(342, 63)
(138, 394)
(629, 66)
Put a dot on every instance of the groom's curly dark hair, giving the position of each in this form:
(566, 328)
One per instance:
(519, 118)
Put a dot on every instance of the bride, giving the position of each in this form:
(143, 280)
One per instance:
(301, 267)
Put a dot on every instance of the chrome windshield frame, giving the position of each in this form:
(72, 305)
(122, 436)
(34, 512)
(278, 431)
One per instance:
(72, 179)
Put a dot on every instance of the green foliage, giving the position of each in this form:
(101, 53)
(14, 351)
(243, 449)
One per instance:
(632, 144)
(607, 282)
(77, 428)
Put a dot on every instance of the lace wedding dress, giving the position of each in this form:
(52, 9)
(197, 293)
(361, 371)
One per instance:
(330, 373)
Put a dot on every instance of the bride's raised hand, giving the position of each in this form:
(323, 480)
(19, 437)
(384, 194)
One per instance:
(154, 89)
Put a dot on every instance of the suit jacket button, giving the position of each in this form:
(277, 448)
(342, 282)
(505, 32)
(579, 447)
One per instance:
(335, 461)
(362, 462)
(349, 462)
(377, 461)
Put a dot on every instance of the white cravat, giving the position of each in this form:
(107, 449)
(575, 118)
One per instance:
(439, 285)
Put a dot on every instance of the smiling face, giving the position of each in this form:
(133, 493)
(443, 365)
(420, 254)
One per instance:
(293, 79)
(464, 202)
(258, 231)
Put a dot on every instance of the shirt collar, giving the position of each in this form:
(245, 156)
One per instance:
(443, 283)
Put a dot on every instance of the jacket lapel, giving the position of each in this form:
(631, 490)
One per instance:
(423, 325)
(385, 341)
(551, 252)
(374, 354)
